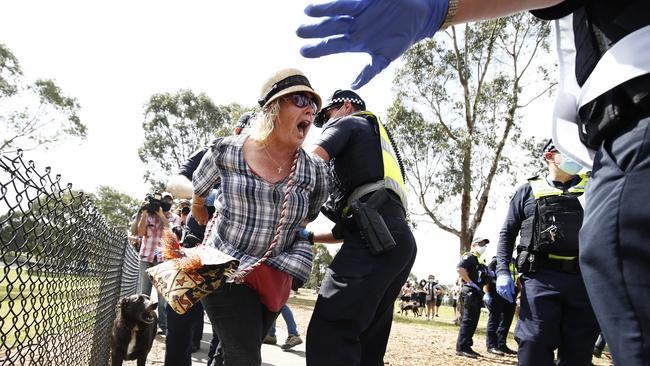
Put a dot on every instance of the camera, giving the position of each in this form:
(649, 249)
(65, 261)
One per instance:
(153, 201)
(185, 210)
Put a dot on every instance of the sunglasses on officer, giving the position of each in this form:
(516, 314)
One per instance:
(301, 100)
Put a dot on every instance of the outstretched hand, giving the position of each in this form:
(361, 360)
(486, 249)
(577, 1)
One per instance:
(382, 28)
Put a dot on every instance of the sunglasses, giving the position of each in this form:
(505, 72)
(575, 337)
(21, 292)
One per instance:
(301, 100)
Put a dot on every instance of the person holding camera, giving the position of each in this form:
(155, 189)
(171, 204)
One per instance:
(155, 217)
(354, 310)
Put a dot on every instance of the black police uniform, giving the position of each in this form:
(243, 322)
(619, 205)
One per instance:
(352, 318)
(472, 299)
(501, 313)
(614, 250)
(554, 312)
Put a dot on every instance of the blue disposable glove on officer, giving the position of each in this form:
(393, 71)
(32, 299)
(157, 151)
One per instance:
(505, 287)
(475, 286)
(382, 28)
(487, 299)
(306, 234)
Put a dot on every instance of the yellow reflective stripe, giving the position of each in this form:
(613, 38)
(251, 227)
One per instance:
(513, 271)
(561, 257)
(393, 178)
(541, 188)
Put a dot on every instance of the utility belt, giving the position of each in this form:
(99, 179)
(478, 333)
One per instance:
(611, 112)
(528, 262)
(366, 214)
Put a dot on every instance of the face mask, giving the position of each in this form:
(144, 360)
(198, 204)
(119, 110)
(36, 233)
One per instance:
(480, 250)
(569, 166)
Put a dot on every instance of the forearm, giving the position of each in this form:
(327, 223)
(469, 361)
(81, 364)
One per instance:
(462, 272)
(473, 10)
(142, 224)
(326, 238)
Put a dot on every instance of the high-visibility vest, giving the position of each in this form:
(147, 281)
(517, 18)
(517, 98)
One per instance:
(393, 178)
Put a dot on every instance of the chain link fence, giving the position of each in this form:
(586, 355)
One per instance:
(63, 270)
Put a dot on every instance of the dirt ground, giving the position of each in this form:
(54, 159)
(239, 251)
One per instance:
(412, 342)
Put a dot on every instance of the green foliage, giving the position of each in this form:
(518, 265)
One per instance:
(9, 72)
(34, 114)
(116, 207)
(321, 261)
(176, 125)
(457, 112)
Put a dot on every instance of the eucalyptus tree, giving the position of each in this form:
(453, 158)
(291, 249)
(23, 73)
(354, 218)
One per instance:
(34, 114)
(178, 124)
(116, 207)
(457, 115)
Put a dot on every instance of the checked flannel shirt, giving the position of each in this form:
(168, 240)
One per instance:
(250, 207)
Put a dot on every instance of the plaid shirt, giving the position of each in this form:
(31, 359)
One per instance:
(150, 244)
(250, 207)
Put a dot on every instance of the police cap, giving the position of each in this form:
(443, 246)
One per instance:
(337, 99)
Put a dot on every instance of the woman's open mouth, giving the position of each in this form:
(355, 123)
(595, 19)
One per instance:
(303, 127)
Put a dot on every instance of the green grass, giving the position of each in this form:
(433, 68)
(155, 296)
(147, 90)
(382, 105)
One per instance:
(35, 303)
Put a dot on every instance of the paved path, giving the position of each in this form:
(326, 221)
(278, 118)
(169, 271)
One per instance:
(271, 355)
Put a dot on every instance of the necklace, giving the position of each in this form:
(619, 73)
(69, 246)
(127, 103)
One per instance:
(279, 166)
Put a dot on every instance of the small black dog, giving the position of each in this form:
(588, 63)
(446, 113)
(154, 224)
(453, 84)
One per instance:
(134, 329)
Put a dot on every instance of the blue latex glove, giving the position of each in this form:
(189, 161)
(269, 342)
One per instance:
(306, 234)
(487, 299)
(505, 287)
(473, 285)
(382, 28)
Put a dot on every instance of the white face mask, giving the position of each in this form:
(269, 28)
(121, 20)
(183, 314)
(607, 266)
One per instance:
(480, 249)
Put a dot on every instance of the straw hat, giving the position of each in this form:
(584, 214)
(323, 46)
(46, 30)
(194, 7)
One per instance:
(285, 82)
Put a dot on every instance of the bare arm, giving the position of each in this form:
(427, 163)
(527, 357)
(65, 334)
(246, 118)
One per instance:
(322, 153)
(142, 225)
(473, 10)
(326, 238)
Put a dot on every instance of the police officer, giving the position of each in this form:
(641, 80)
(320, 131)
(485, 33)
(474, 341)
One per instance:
(501, 314)
(555, 312)
(351, 321)
(602, 111)
(474, 273)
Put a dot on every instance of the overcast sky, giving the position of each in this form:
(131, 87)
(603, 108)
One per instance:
(112, 56)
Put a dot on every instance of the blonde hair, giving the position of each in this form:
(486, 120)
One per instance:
(264, 122)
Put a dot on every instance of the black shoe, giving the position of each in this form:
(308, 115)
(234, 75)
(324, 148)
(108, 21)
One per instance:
(474, 352)
(496, 351)
(507, 350)
(466, 354)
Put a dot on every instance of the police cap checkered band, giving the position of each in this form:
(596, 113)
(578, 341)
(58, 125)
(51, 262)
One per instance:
(341, 96)
(337, 98)
(549, 146)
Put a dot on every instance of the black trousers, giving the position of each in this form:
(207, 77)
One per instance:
(241, 322)
(499, 321)
(351, 321)
(472, 300)
(615, 243)
(181, 333)
(555, 313)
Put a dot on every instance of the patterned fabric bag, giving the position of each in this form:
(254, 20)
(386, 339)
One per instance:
(189, 274)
